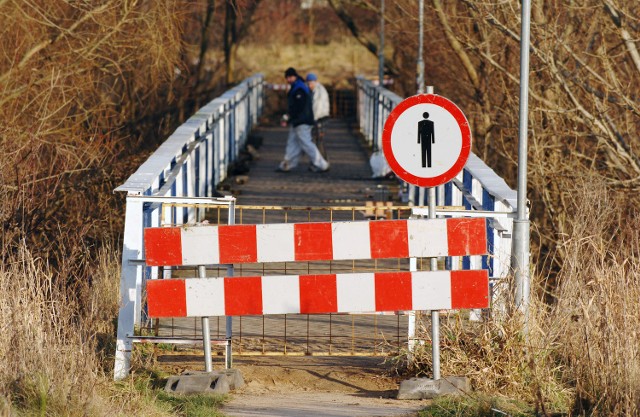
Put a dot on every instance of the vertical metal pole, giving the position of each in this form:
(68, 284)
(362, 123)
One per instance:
(520, 252)
(381, 50)
(435, 315)
(229, 328)
(411, 324)
(420, 66)
(206, 332)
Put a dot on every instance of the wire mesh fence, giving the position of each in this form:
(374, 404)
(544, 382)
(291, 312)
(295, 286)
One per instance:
(299, 334)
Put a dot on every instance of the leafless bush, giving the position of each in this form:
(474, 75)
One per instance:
(73, 77)
(77, 80)
(583, 95)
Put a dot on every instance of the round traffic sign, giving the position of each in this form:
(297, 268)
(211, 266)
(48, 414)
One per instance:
(426, 140)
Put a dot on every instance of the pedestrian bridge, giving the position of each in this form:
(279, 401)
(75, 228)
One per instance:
(219, 167)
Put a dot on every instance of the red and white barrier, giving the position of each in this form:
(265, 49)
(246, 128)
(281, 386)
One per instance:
(229, 244)
(315, 294)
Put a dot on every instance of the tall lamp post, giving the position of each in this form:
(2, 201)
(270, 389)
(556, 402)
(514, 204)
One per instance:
(521, 234)
(381, 50)
(420, 65)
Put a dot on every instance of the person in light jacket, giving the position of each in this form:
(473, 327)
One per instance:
(300, 119)
(321, 110)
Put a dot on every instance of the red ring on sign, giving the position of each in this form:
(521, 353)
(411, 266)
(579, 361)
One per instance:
(463, 124)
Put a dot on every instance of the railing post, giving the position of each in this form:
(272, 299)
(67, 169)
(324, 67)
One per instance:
(130, 282)
(181, 168)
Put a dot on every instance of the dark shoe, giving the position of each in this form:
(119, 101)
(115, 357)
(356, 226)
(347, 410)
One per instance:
(282, 170)
(314, 168)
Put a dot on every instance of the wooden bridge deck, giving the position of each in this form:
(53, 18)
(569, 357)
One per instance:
(347, 184)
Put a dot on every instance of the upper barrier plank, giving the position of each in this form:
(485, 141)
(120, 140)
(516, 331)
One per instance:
(230, 244)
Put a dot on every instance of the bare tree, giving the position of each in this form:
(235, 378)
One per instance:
(234, 34)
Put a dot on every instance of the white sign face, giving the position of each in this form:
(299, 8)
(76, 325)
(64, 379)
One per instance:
(426, 140)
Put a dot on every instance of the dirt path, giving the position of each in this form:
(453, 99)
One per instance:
(322, 404)
(312, 386)
(308, 386)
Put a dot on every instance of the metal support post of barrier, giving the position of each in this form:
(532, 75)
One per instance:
(411, 322)
(228, 359)
(229, 323)
(206, 331)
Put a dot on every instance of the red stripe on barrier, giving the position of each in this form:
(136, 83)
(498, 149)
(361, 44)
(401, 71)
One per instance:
(389, 239)
(467, 236)
(162, 246)
(166, 298)
(313, 241)
(243, 296)
(238, 244)
(393, 291)
(469, 289)
(318, 294)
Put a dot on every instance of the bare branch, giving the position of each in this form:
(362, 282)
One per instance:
(456, 46)
(624, 34)
(338, 7)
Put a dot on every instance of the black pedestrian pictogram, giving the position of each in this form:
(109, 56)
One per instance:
(426, 136)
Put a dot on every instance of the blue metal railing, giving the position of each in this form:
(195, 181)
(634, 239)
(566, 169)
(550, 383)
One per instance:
(188, 165)
(195, 158)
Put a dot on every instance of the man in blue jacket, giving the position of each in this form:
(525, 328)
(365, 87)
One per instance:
(301, 121)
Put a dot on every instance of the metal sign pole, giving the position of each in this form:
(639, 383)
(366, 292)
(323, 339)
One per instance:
(435, 315)
(413, 262)
(520, 253)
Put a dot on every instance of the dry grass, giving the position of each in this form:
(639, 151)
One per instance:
(58, 343)
(597, 316)
(499, 360)
(581, 353)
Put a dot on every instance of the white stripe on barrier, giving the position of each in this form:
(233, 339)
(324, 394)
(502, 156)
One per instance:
(275, 242)
(351, 240)
(428, 239)
(433, 291)
(199, 246)
(204, 296)
(356, 292)
(280, 293)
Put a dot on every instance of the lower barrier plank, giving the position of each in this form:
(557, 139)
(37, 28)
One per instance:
(318, 294)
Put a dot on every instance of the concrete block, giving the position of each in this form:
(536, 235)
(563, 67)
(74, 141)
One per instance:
(200, 383)
(426, 388)
(234, 378)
